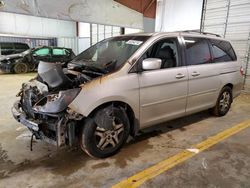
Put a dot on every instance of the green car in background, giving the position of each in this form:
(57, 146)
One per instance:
(28, 60)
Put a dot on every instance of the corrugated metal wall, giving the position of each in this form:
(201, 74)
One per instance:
(32, 42)
(231, 19)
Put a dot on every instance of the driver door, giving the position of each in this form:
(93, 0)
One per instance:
(163, 92)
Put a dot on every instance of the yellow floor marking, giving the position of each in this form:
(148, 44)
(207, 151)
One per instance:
(153, 171)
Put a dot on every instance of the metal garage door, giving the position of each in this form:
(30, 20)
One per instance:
(231, 19)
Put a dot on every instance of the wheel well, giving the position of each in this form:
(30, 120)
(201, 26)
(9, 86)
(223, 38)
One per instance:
(229, 85)
(129, 111)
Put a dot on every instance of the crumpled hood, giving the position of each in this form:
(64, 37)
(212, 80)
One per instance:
(12, 56)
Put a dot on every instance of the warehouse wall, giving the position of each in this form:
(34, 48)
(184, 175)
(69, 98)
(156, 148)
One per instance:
(83, 36)
(231, 19)
(148, 24)
(68, 42)
(31, 26)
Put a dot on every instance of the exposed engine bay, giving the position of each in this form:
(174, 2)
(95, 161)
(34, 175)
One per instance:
(44, 100)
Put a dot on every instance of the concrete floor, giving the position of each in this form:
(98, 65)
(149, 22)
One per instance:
(226, 164)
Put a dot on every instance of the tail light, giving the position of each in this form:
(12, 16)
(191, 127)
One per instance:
(241, 71)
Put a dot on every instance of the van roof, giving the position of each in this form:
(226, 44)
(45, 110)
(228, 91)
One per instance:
(182, 33)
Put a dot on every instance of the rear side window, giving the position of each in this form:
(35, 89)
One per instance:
(197, 51)
(57, 51)
(222, 51)
(7, 46)
(21, 46)
(42, 52)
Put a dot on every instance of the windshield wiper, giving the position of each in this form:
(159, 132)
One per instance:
(110, 66)
(95, 69)
(92, 72)
(84, 63)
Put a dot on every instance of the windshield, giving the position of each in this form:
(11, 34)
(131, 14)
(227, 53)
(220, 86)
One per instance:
(110, 54)
(26, 52)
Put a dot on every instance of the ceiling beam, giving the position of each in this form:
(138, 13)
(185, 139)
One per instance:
(148, 6)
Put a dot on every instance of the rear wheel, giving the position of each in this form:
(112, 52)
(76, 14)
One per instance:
(105, 133)
(224, 102)
(20, 68)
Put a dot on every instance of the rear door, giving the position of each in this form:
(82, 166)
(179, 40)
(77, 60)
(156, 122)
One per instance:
(163, 92)
(204, 82)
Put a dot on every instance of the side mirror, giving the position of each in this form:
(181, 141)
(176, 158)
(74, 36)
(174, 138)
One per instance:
(151, 64)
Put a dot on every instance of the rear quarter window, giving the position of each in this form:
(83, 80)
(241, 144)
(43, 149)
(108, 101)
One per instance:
(57, 51)
(197, 51)
(222, 51)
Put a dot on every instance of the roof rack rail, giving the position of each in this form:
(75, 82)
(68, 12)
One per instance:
(204, 33)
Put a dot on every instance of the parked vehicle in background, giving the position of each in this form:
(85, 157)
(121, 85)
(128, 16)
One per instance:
(8, 48)
(28, 60)
(127, 83)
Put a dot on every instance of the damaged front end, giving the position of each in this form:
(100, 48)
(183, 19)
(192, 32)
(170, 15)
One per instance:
(43, 105)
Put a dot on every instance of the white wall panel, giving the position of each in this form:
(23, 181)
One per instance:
(131, 30)
(84, 29)
(83, 44)
(68, 42)
(176, 15)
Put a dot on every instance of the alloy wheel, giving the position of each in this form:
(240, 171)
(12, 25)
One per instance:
(109, 138)
(225, 101)
(20, 68)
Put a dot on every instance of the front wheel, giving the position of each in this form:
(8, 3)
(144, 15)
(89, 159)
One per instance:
(105, 133)
(20, 68)
(224, 102)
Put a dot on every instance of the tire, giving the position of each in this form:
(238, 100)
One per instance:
(104, 134)
(223, 103)
(20, 68)
(32, 67)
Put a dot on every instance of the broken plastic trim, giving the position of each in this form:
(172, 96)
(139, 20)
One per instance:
(55, 103)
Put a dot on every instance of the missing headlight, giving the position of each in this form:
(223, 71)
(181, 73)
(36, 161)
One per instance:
(55, 103)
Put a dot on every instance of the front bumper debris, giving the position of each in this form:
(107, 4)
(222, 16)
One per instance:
(41, 131)
(4, 67)
(19, 115)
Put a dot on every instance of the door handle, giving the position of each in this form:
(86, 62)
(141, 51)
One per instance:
(179, 76)
(195, 74)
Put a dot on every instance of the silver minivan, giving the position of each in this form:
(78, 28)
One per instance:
(127, 83)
